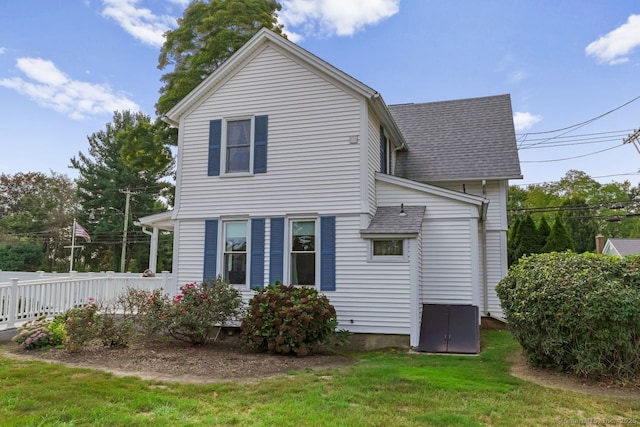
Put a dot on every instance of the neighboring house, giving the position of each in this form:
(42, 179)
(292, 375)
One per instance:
(290, 170)
(621, 247)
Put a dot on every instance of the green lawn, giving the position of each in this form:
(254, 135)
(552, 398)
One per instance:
(385, 388)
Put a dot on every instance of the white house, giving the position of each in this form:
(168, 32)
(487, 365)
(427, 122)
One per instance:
(291, 170)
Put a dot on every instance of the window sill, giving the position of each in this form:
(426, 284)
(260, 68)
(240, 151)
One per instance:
(388, 259)
(236, 174)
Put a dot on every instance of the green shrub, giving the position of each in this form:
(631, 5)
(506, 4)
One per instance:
(41, 333)
(576, 313)
(288, 319)
(202, 308)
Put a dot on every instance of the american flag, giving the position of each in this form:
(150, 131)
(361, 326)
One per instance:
(81, 232)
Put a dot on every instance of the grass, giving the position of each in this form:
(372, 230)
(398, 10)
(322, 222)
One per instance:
(385, 388)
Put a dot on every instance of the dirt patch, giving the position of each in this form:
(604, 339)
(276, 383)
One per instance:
(164, 359)
(566, 381)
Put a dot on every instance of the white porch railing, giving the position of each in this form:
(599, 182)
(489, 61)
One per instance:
(23, 300)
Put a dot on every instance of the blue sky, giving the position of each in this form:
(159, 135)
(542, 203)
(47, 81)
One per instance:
(66, 66)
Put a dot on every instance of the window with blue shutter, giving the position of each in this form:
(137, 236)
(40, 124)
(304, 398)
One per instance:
(328, 253)
(260, 144)
(257, 253)
(215, 146)
(210, 249)
(276, 251)
(233, 148)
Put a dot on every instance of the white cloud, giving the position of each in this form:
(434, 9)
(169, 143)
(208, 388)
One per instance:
(183, 3)
(140, 22)
(614, 47)
(333, 17)
(523, 121)
(3, 50)
(517, 76)
(51, 88)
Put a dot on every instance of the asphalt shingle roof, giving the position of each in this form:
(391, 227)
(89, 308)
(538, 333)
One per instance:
(456, 140)
(626, 246)
(388, 220)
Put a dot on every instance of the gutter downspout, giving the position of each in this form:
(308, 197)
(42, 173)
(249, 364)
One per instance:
(483, 244)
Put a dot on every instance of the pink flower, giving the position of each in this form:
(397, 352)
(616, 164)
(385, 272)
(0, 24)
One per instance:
(90, 299)
(69, 319)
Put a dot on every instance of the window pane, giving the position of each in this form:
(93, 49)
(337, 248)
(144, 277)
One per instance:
(238, 145)
(303, 269)
(238, 159)
(387, 247)
(239, 132)
(236, 236)
(303, 236)
(235, 268)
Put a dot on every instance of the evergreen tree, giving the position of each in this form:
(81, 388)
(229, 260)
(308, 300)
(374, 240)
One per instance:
(512, 241)
(543, 231)
(104, 179)
(559, 239)
(527, 237)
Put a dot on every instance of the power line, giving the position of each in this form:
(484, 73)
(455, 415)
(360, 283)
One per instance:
(571, 158)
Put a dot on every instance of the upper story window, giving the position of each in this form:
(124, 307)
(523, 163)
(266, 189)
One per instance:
(238, 146)
(385, 153)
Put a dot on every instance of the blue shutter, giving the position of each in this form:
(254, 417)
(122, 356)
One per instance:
(257, 253)
(260, 144)
(328, 253)
(210, 249)
(276, 251)
(215, 145)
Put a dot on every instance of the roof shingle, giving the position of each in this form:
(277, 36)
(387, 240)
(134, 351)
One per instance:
(458, 140)
(388, 220)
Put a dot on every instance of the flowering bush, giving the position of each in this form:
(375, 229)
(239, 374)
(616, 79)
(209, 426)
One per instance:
(80, 325)
(41, 333)
(201, 308)
(148, 309)
(288, 319)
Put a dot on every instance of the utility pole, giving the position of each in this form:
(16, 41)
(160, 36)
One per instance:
(123, 254)
(633, 138)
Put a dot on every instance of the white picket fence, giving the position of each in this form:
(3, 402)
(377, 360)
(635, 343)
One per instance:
(23, 300)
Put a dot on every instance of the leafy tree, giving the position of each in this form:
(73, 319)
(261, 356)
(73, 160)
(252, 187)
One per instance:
(22, 256)
(40, 209)
(207, 35)
(559, 239)
(105, 177)
(512, 241)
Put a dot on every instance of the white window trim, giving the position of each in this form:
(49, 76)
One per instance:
(388, 258)
(223, 146)
(287, 246)
(222, 246)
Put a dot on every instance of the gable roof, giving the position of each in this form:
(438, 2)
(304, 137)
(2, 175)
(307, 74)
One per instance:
(458, 140)
(266, 37)
(396, 220)
(623, 246)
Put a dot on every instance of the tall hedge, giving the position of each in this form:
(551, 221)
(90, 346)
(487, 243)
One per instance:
(576, 312)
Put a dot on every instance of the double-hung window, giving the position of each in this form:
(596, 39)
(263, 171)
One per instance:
(303, 252)
(238, 147)
(235, 252)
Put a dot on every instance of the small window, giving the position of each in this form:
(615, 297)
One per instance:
(391, 247)
(303, 253)
(238, 145)
(235, 252)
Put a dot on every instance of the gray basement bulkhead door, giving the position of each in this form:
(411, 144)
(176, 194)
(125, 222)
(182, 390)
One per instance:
(449, 328)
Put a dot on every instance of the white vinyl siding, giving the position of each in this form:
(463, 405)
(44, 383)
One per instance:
(373, 159)
(447, 267)
(311, 163)
(496, 236)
